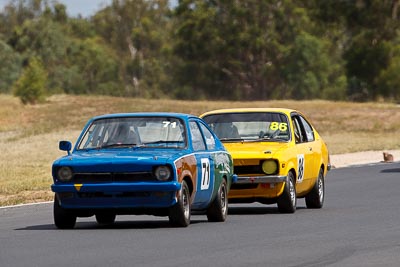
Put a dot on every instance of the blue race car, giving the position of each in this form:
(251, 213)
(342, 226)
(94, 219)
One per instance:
(162, 164)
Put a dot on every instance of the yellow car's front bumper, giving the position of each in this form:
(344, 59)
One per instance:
(257, 187)
(261, 179)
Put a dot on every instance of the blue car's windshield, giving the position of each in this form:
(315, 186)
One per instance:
(164, 132)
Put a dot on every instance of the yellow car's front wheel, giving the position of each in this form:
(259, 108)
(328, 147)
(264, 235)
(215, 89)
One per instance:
(288, 200)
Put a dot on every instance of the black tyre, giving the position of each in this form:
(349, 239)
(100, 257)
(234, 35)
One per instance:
(179, 214)
(315, 199)
(105, 218)
(63, 219)
(218, 210)
(288, 200)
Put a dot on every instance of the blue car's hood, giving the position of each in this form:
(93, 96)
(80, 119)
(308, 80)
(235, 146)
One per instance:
(118, 160)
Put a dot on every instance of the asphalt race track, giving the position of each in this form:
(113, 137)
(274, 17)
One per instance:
(359, 225)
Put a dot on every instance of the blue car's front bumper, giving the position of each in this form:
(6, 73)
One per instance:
(117, 195)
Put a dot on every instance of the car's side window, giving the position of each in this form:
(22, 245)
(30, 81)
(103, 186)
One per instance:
(298, 133)
(197, 138)
(210, 140)
(308, 129)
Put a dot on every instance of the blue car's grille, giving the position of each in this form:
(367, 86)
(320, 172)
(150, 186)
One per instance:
(113, 177)
(104, 195)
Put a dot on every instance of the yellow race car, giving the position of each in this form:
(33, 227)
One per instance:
(278, 156)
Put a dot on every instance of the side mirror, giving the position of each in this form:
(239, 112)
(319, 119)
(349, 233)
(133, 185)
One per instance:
(65, 146)
(234, 178)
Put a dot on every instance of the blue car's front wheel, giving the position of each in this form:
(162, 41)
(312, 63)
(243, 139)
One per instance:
(179, 214)
(63, 219)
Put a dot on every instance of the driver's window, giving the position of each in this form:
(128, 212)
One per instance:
(197, 138)
(298, 135)
(308, 129)
(210, 141)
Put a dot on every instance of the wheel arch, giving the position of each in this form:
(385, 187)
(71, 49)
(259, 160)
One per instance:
(324, 169)
(189, 183)
(292, 170)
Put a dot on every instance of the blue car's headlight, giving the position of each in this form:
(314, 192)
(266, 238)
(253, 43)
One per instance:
(162, 173)
(64, 174)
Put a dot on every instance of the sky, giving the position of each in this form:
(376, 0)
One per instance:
(75, 7)
(86, 8)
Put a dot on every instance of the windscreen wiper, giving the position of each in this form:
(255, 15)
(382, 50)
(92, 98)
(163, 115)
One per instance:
(117, 145)
(236, 139)
(265, 138)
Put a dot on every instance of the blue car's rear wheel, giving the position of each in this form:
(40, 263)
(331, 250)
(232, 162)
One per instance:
(63, 218)
(218, 210)
(179, 214)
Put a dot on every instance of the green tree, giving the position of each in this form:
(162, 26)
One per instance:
(93, 69)
(10, 67)
(388, 80)
(46, 40)
(31, 85)
(16, 12)
(311, 71)
(371, 29)
(138, 31)
(152, 62)
(251, 50)
(75, 60)
(196, 42)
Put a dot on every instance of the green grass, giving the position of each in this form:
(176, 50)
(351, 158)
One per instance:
(29, 134)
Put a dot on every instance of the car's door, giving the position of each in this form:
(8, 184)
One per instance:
(313, 144)
(205, 167)
(305, 143)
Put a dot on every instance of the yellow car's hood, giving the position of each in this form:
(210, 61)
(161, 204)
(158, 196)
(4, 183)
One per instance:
(255, 150)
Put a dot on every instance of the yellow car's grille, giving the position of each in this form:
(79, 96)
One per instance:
(244, 186)
(250, 169)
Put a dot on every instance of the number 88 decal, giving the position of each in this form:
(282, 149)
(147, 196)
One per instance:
(300, 168)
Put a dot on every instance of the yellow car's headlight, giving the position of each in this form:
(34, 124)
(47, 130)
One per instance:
(270, 166)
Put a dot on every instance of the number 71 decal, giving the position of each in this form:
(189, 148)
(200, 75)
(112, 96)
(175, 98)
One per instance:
(205, 174)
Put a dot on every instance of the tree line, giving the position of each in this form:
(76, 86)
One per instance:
(204, 49)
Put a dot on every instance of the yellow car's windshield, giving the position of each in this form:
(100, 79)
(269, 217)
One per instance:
(250, 126)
